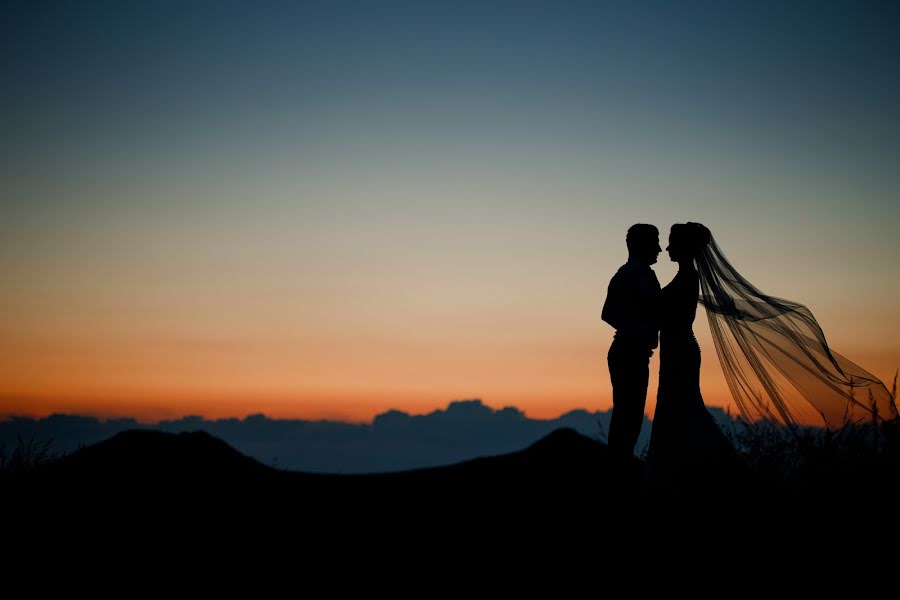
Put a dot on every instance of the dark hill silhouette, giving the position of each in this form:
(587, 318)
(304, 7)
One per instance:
(173, 471)
(154, 457)
(190, 495)
(564, 486)
(197, 458)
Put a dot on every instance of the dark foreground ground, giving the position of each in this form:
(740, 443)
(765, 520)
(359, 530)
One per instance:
(562, 495)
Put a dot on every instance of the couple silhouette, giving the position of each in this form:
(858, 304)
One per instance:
(776, 360)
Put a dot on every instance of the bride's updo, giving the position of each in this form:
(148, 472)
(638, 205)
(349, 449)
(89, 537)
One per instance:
(692, 237)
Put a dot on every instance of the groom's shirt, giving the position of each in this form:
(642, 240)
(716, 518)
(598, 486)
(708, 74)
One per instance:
(632, 304)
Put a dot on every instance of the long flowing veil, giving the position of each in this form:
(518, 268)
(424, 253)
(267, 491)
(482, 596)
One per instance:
(775, 357)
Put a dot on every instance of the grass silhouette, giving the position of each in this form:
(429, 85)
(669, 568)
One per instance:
(26, 455)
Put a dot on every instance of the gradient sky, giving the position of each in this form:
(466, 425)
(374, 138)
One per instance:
(328, 209)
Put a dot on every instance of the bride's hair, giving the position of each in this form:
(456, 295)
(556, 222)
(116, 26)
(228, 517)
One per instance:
(773, 352)
(693, 237)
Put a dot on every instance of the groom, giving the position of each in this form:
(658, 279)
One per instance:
(631, 308)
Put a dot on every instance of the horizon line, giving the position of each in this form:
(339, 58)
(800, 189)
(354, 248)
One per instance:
(8, 416)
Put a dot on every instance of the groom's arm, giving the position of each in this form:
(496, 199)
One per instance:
(620, 309)
(615, 307)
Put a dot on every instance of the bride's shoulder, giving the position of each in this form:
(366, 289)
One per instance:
(685, 278)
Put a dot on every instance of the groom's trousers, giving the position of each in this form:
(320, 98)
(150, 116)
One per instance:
(629, 370)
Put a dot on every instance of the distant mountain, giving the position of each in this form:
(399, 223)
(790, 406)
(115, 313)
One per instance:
(394, 441)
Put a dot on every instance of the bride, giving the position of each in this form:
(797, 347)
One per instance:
(774, 355)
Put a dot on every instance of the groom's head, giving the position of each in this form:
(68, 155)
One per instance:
(643, 243)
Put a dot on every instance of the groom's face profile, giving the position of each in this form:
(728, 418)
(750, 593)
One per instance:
(643, 243)
(647, 251)
(653, 250)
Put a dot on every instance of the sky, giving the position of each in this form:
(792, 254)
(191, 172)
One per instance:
(331, 209)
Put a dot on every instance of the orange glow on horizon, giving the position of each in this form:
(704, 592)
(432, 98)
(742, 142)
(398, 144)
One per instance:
(158, 381)
(317, 380)
(152, 409)
(351, 406)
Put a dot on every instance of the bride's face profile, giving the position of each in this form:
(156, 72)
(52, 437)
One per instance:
(675, 248)
(671, 250)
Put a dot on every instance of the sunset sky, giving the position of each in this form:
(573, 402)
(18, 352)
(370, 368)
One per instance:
(330, 209)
